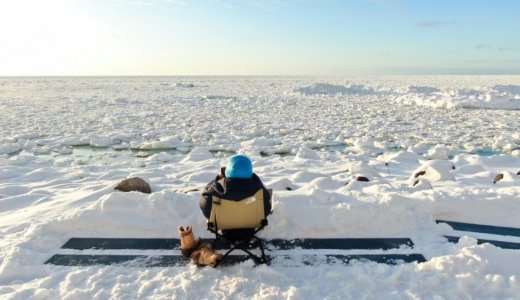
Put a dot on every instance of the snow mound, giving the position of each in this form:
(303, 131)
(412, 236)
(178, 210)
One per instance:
(321, 183)
(218, 97)
(306, 153)
(10, 148)
(304, 176)
(101, 142)
(401, 157)
(281, 184)
(423, 89)
(331, 89)
(161, 157)
(360, 168)
(162, 144)
(438, 152)
(505, 97)
(198, 154)
(184, 85)
(76, 141)
(506, 141)
(435, 170)
(370, 145)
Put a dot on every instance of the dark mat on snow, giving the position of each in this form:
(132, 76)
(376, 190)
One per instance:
(178, 260)
(340, 243)
(122, 243)
(499, 230)
(500, 244)
(310, 243)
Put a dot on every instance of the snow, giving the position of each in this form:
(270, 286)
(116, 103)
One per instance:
(10, 148)
(332, 89)
(429, 146)
(494, 97)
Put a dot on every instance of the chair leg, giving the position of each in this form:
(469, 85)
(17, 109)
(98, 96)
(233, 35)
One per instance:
(242, 245)
(258, 259)
(264, 258)
(223, 257)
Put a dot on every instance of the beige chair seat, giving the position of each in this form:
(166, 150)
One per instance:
(248, 213)
(230, 214)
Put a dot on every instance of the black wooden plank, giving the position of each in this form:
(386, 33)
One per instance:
(309, 243)
(499, 230)
(178, 260)
(500, 244)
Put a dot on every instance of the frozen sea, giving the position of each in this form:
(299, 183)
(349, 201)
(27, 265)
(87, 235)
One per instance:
(65, 142)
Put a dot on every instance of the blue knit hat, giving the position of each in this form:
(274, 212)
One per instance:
(239, 166)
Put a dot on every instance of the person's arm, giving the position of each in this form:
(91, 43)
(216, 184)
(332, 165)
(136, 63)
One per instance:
(205, 205)
(267, 196)
(267, 202)
(205, 200)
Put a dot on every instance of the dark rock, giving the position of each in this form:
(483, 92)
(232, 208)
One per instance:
(518, 173)
(498, 178)
(362, 178)
(288, 188)
(415, 182)
(420, 173)
(134, 184)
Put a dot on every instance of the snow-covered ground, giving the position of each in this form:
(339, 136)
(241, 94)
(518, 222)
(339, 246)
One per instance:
(66, 142)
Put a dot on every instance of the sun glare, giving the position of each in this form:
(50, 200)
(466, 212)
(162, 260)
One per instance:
(50, 37)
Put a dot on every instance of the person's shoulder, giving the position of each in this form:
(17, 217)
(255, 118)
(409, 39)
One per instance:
(256, 179)
(214, 186)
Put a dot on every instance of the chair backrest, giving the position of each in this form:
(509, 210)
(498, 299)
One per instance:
(230, 214)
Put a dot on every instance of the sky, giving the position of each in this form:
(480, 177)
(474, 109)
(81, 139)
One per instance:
(254, 37)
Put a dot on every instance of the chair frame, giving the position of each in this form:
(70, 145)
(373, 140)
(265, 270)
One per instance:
(241, 244)
(244, 242)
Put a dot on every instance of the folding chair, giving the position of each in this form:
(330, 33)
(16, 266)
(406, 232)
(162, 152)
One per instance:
(246, 216)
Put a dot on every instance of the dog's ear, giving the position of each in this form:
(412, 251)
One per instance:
(223, 172)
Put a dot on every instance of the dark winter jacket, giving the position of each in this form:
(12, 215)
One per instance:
(233, 189)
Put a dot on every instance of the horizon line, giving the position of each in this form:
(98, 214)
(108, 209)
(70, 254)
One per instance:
(270, 75)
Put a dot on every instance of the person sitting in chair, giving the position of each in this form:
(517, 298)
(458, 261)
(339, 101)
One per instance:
(235, 182)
